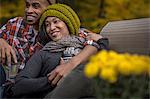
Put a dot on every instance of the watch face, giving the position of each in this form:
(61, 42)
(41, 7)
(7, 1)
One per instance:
(83, 32)
(103, 43)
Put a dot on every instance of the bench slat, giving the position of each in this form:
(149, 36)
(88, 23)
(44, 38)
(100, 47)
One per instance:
(131, 36)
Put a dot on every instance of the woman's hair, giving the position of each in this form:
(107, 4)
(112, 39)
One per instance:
(64, 13)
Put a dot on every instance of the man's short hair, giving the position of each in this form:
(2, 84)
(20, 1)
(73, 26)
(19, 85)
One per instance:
(51, 1)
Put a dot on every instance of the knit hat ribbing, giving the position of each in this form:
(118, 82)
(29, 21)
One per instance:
(64, 13)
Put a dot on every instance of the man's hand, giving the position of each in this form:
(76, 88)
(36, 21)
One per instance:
(6, 52)
(94, 36)
(59, 72)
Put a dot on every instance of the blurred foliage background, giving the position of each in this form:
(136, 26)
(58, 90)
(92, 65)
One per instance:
(94, 14)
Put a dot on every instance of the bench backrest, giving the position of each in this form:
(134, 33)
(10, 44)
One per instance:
(131, 36)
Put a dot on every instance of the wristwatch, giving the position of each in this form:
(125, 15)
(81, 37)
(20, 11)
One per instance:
(103, 43)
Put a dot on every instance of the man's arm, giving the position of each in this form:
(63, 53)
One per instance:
(63, 69)
(84, 55)
(6, 51)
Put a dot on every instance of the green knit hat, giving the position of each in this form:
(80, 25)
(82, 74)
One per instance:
(64, 13)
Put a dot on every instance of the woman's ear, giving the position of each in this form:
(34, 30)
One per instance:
(43, 37)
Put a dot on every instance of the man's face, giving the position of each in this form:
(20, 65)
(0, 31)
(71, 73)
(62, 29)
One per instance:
(34, 9)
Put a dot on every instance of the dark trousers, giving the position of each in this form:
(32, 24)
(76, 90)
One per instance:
(2, 80)
(75, 85)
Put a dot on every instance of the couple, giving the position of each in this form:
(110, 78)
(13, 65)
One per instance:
(35, 77)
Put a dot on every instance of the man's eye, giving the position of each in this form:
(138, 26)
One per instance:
(27, 5)
(36, 5)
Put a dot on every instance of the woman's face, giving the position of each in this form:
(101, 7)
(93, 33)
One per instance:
(55, 28)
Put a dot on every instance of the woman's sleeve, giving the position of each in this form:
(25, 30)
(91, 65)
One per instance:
(103, 44)
(28, 81)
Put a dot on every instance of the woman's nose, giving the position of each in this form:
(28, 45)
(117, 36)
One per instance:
(53, 26)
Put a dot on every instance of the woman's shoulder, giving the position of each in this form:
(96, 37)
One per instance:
(48, 53)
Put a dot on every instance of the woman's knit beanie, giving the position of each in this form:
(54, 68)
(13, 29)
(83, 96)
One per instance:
(64, 13)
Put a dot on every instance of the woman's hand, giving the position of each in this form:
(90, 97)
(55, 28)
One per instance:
(60, 72)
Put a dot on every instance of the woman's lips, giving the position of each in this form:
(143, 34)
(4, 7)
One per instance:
(54, 33)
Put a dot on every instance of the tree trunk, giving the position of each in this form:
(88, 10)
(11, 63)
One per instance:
(101, 9)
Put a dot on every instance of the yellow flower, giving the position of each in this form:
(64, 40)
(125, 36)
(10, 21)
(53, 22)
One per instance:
(121, 57)
(125, 68)
(113, 63)
(91, 69)
(146, 63)
(112, 55)
(139, 67)
(108, 65)
(109, 74)
(103, 56)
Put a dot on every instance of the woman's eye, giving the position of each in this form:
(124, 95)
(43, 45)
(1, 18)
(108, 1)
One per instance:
(46, 25)
(56, 21)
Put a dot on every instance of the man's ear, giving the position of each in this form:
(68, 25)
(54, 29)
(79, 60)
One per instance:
(51, 1)
(60, 1)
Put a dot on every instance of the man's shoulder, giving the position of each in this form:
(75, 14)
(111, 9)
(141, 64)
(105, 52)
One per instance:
(13, 22)
(18, 22)
(16, 19)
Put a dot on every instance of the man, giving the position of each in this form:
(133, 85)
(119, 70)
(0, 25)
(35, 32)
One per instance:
(18, 40)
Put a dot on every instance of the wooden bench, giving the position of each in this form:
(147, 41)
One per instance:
(131, 36)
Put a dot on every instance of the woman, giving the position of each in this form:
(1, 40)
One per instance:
(60, 24)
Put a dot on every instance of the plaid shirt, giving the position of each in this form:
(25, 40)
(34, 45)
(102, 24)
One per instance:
(21, 37)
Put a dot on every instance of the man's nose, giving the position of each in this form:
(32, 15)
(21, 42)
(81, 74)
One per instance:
(30, 9)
